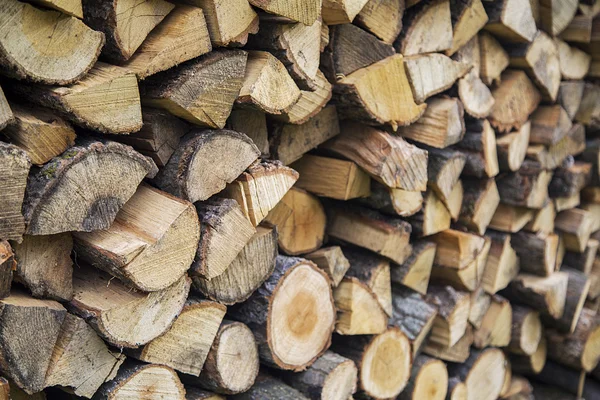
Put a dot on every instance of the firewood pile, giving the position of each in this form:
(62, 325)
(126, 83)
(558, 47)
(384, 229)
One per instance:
(300, 199)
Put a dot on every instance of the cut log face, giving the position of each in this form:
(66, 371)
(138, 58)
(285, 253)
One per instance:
(332, 261)
(588, 113)
(427, 28)
(502, 263)
(453, 314)
(358, 311)
(555, 16)
(475, 95)
(579, 29)
(458, 353)
(302, 11)
(582, 261)
(549, 124)
(434, 217)
(198, 168)
(479, 147)
(125, 23)
(533, 364)
(457, 390)
(495, 329)
(577, 291)
(456, 249)
(341, 11)
(28, 323)
(430, 74)
(526, 331)
(511, 219)
(224, 231)
(251, 267)
(40, 133)
(46, 61)
(403, 203)
(297, 327)
(465, 278)
(81, 361)
(260, 188)
(483, 373)
(14, 169)
(443, 170)
(480, 304)
(570, 179)
(135, 379)
(391, 104)
(511, 148)
(7, 264)
(383, 18)
(494, 59)
(109, 172)
(122, 317)
(253, 124)
(171, 233)
(480, 201)
(429, 380)
(416, 270)
(576, 227)
(574, 63)
(570, 94)
(511, 20)
(70, 7)
(44, 265)
(468, 17)
(195, 91)
(454, 202)
(182, 36)
(546, 294)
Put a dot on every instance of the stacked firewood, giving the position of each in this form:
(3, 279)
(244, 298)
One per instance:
(293, 199)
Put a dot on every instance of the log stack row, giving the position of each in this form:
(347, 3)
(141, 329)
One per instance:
(300, 199)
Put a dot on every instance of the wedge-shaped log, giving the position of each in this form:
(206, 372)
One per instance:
(543, 220)
(427, 28)
(70, 7)
(479, 147)
(574, 63)
(488, 363)
(297, 327)
(555, 16)
(403, 203)
(195, 90)
(546, 294)
(332, 261)
(570, 179)
(577, 292)
(443, 171)
(252, 123)
(511, 20)
(430, 74)
(479, 204)
(456, 249)
(511, 148)
(453, 314)
(190, 173)
(457, 353)
(107, 99)
(582, 261)
(527, 187)
(537, 252)
(362, 96)
(549, 124)
(341, 11)
(14, 169)
(516, 98)
(551, 157)
(511, 219)
(7, 264)
(570, 94)
(588, 112)
(182, 36)
(383, 18)
(502, 263)
(466, 278)
(302, 11)
(494, 59)
(454, 202)
(495, 329)
(468, 17)
(49, 61)
(122, 317)
(480, 304)
(358, 311)
(433, 217)
(110, 173)
(526, 331)
(576, 227)
(6, 114)
(415, 271)
(81, 361)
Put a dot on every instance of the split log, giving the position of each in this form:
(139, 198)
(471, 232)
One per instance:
(69, 7)
(14, 169)
(546, 294)
(457, 390)
(224, 231)
(549, 124)
(333, 178)
(331, 377)
(251, 267)
(188, 174)
(413, 316)
(44, 266)
(195, 91)
(494, 59)
(182, 36)
(388, 159)
(495, 329)
(40, 133)
(553, 156)
(304, 230)
(570, 94)
(467, 277)
(543, 220)
(27, 324)
(475, 95)
(489, 363)
(253, 124)
(260, 188)
(468, 17)
(479, 204)
(124, 23)
(441, 125)
(454, 202)
(479, 147)
(433, 217)
(302, 11)
(537, 252)
(579, 30)
(289, 143)
(457, 353)
(193, 393)
(577, 291)
(574, 63)
(480, 304)
(526, 331)
(296, 329)
(106, 99)
(414, 273)
(556, 16)
(427, 28)
(186, 344)
(457, 249)
(81, 361)
(443, 170)
(511, 21)
(137, 380)
(391, 104)
(530, 364)
(358, 311)
(49, 61)
(383, 18)
(566, 203)
(386, 236)
(122, 317)
(331, 260)
(267, 387)
(582, 261)
(336, 12)
(516, 98)
(429, 379)
(588, 113)
(7, 265)
(430, 74)
(109, 173)
(570, 179)
(502, 263)
(389, 352)
(511, 219)
(6, 114)
(152, 229)
(403, 203)
(453, 314)
(527, 187)
(575, 226)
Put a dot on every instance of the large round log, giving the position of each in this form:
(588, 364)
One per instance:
(483, 373)
(429, 380)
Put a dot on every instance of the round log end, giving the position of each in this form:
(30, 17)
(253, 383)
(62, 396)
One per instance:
(340, 384)
(531, 333)
(431, 382)
(486, 377)
(591, 350)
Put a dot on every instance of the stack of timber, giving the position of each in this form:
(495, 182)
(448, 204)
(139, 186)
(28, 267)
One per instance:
(300, 199)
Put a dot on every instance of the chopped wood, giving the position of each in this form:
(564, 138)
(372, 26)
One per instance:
(555, 16)
(527, 187)
(194, 393)
(526, 331)
(570, 94)
(336, 12)
(479, 204)
(252, 123)
(266, 386)
(546, 294)
(331, 260)
(194, 90)
(457, 353)
(475, 95)
(468, 17)
(383, 18)
(588, 113)
(456, 249)
(511, 219)
(6, 114)
(511, 20)
(182, 36)
(579, 30)
(582, 261)
(494, 59)
(7, 265)
(553, 156)
(454, 202)
(427, 28)
(530, 364)
(574, 63)
(457, 390)
(575, 226)
(70, 7)
(480, 303)
(453, 314)
(563, 380)
(358, 311)
(302, 11)
(433, 217)
(479, 147)
(107, 171)
(549, 124)
(466, 278)
(566, 203)
(577, 291)
(403, 203)
(495, 329)
(443, 170)
(415, 271)
(297, 327)
(429, 378)
(543, 220)
(537, 252)
(483, 373)
(570, 179)
(14, 169)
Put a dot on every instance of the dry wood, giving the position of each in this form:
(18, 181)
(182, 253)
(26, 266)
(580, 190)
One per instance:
(267, 387)
(70, 7)
(453, 314)
(553, 156)
(191, 173)
(28, 324)
(454, 202)
(388, 159)
(562, 378)
(545, 294)
(479, 204)
(383, 18)
(7, 265)
(502, 263)
(566, 203)
(433, 217)
(427, 28)
(555, 16)
(296, 329)
(527, 187)
(333, 178)
(574, 63)
(457, 390)
(479, 147)
(582, 261)
(537, 252)
(403, 203)
(194, 393)
(575, 226)
(495, 329)
(260, 188)
(549, 124)
(480, 303)
(6, 114)
(494, 59)
(28, 48)
(475, 95)
(251, 267)
(511, 219)
(361, 95)
(123, 317)
(530, 364)
(201, 91)
(579, 29)
(336, 12)
(570, 94)
(468, 17)
(182, 36)
(429, 379)
(589, 113)
(81, 361)
(252, 123)
(483, 373)
(430, 74)
(457, 249)
(577, 291)
(415, 271)
(457, 353)
(302, 11)
(443, 170)
(105, 100)
(441, 125)
(570, 179)
(358, 311)
(516, 98)
(386, 236)
(511, 20)
(332, 261)
(14, 169)
(107, 172)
